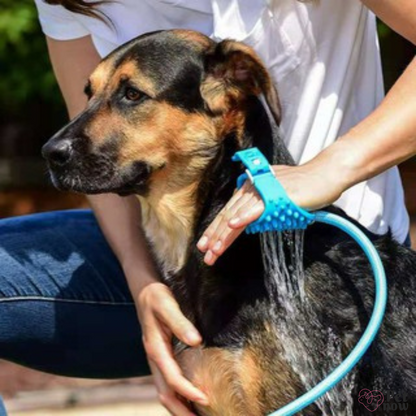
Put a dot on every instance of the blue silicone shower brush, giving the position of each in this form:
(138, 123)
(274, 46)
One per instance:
(280, 212)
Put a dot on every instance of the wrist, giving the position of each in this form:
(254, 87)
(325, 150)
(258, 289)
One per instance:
(344, 164)
(139, 276)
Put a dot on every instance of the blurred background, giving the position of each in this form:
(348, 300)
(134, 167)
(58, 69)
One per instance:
(31, 110)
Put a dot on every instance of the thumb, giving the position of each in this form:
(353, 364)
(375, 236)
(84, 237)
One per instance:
(171, 316)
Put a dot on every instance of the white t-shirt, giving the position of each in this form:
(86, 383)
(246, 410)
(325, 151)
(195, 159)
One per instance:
(324, 59)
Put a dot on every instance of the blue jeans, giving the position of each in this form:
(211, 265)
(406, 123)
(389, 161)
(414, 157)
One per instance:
(408, 242)
(65, 307)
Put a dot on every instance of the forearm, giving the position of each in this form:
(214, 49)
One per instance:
(388, 135)
(382, 140)
(120, 221)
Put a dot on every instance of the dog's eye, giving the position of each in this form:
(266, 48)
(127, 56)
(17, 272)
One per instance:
(132, 94)
(88, 90)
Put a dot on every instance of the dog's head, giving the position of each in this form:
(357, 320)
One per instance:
(159, 108)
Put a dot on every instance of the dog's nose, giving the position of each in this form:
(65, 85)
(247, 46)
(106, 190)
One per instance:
(58, 152)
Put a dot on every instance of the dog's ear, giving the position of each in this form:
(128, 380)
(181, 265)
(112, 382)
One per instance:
(233, 72)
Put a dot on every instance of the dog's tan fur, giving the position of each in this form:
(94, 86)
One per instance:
(234, 380)
(241, 75)
(219, 373)
(199, 40)
(167, 232)
(169, 208)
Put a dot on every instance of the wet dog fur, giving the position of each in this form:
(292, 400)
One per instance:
(165, 114)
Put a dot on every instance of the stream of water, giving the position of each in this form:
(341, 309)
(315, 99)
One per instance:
(312, 350)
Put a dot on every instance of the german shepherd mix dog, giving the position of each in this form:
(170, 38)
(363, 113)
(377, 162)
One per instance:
(165, 114)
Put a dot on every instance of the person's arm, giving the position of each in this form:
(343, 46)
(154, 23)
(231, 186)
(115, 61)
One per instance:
(120, 220)
(382, 140)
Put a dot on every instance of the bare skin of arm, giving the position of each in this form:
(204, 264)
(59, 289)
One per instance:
(382, 140)
(119, 218)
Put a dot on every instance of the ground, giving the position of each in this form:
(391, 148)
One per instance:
(32, 393)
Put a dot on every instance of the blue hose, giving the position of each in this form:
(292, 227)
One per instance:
(373, 326)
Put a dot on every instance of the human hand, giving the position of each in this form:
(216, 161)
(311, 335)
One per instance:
(161, 318)
(305, 185)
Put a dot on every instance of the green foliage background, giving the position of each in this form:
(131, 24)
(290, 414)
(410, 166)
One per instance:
(26, 73)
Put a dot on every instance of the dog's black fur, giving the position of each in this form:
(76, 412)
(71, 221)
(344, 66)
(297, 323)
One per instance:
(337, 274)
(230, 302)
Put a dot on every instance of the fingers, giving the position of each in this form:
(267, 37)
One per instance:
(245, 201)
(169, 313)
(159, 351)
(161, 316)
(244, 207)
(203, 243)
(167, 396)
(228, 234)
(223, 234)
(247, 214)
(157, 299)
(223, 241)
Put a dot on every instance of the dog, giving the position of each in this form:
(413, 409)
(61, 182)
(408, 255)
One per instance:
(166, 112)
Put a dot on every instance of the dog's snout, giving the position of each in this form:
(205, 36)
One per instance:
(58, 152)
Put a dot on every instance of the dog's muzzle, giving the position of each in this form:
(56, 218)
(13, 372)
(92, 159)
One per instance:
(58, 153)
(74, 167)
